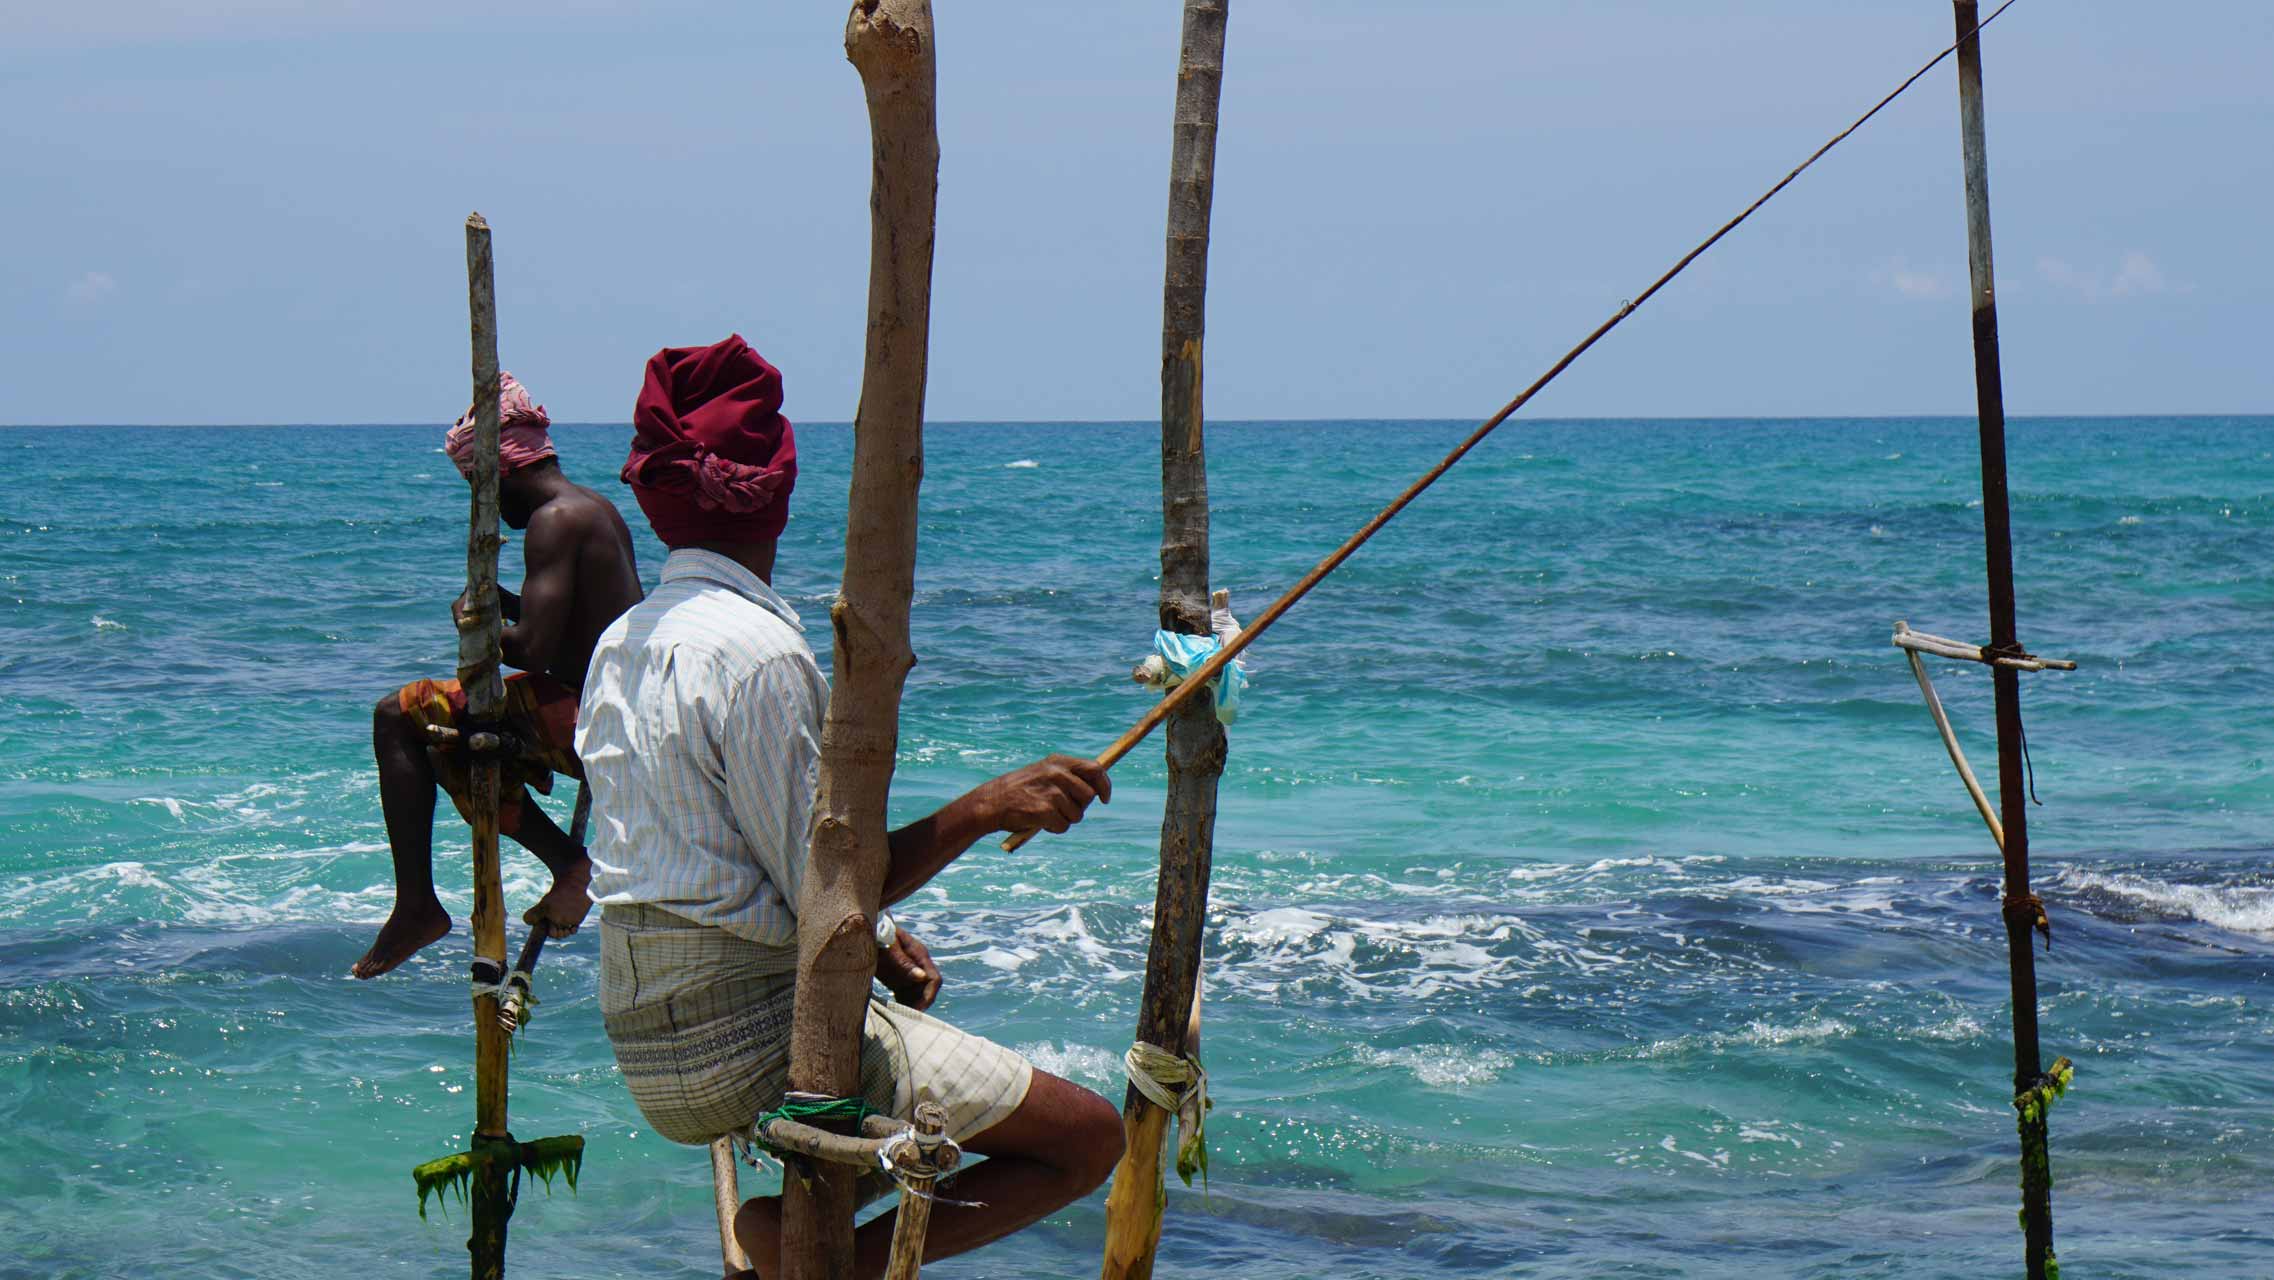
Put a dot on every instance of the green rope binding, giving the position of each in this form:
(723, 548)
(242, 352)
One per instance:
(849, 1111)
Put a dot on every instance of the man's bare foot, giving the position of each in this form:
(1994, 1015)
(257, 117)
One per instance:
(565, 905)
(409, 927)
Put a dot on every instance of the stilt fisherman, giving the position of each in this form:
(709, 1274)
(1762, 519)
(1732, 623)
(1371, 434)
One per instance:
(700, 734)
(579, 577)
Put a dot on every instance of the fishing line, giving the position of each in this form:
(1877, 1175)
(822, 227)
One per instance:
(1200, 678)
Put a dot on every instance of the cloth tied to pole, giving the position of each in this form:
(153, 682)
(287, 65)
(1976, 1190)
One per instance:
(1176, 656)
(1182, 655)
(1178, 1085)
(487, 977)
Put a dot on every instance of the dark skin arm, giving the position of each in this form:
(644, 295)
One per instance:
(541, 612)
(1049, 795)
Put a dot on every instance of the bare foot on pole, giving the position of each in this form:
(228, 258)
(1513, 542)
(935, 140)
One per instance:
(408, 929)
(565, 905)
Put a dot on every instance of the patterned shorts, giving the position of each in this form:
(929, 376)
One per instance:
(700, 1021)
(540, 711)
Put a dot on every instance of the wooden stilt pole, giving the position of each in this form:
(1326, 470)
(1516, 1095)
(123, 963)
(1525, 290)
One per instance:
(890, 44)
(915, 1216)
(726, 1197)
(2020, 909)
(478, 657)
(1196, 745)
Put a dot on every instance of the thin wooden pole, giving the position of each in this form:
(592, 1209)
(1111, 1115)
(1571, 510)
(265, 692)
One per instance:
(2020, 910)
(478, 658)
(1196, 744)
(890, 44)
(1950, 743)
(915, 1216)
(726, 1197)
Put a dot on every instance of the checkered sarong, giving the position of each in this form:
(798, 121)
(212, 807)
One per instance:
(700, 1021)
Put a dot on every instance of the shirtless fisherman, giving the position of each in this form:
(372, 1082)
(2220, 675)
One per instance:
(700, 733)
(578, 578)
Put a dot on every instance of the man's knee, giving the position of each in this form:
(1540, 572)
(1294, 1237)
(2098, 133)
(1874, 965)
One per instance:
(1093, 1137)
(1063, 1127)
(388, 716)
(1103, 1141)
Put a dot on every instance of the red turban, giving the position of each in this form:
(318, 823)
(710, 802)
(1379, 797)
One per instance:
(713, 459)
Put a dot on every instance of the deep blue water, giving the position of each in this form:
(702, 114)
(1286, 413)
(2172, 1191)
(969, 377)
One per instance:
(1593, 896)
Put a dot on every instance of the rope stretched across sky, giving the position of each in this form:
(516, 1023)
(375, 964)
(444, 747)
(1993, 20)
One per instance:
(1192, 684)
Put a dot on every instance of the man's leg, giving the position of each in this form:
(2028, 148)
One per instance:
(565, 904)
(406, 798)
(1057, 1146)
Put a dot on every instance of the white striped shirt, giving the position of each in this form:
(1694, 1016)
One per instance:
(700, 732)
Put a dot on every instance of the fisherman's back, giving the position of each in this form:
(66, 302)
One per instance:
(700, 730)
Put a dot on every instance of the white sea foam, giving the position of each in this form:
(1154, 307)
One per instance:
(1807, 1031)
(1718, 1160)
(1023, 464)
(105, 624)
(1081, 1063)
(2241, 908)
(2128, 520)
(1957, 1028)
(1277, 927)
(1441, 1066)
(1009, 961)
(1758, 1034)
(1767, 1131)
(1760, 887)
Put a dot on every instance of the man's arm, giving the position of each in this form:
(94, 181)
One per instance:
(1049, 795)
(549, 549)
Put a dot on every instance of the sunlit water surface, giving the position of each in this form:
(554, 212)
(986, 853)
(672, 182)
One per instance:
(1592, 896)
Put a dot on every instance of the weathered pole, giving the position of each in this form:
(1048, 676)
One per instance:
(890, 43)
(2020, 907)
(914, 1218)
(1196, 743)
(726, 1199)
(496, 1156)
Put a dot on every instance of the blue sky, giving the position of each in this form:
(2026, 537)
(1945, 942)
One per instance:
(251, 213)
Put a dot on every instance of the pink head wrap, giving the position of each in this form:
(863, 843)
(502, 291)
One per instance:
(713, 459)
(521, 436)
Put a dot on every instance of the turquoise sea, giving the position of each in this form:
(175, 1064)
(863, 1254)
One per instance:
(1593, 896)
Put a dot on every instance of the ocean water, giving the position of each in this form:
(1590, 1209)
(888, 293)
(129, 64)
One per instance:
(1593, 896)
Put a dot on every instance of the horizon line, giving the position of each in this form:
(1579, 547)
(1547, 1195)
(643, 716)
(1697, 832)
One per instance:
(1138, 422)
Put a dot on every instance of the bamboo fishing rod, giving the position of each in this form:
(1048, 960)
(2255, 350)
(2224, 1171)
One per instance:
(1192, 684)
